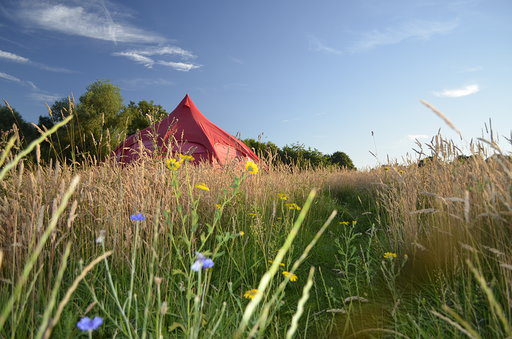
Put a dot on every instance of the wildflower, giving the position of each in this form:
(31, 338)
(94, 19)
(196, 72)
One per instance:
(101, 238)
(251, 167)
(292, 276)
(293, 206)
(401, 171)
(251, 293)
(389, 255)
(344, 223)
(386, 168)
(354, 222)
(242, 233)
(186, 157)
(218, 206)
(406, 256)
(173, 164)
(280, 264)
(252, 214)
(203, 187)
(282, 196)
(201, 262)
(88, 324)
(137, 217)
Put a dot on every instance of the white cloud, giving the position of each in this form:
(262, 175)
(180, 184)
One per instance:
(316, 45)
(44, 98)
(472, 69)
(138, 58)
(12, 57)
(18, 58)
(458, 92)
(10, 77)
(164, 50)
(417, 136)
(90, 19)
(418, 29)
(178, 66)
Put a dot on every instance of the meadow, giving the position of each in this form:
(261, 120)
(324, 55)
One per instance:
(157, 250)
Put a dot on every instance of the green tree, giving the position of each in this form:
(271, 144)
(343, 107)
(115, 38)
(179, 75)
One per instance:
(10, 117)
(139, 116)
(341, 159)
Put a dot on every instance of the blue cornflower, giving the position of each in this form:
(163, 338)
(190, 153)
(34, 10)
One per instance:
(88, 324)
(137, 217)
(201, 262)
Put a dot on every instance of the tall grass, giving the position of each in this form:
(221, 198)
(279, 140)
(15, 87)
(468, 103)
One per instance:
(413, 251)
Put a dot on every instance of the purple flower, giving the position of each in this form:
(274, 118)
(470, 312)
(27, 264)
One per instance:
(88, 324)
(201, 262)
(137, 217)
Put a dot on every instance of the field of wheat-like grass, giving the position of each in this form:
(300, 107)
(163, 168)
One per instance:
(163, 250)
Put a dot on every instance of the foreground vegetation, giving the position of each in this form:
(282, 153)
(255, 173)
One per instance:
(412, 251)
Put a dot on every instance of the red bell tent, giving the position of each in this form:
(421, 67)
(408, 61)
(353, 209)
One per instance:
(187, 131)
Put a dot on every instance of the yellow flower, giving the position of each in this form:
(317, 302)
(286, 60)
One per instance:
(293, 206)
(389, 255)
(401, 171)
(386, 168)
(186, 157)
(251, 293)
(218, 206)
(406, 256)
(292, 276)
(344, 223)
(282, 196)
(354, 222)
(173, 164)
(202, 187)
(280, 264)
(242, 233)
(252, 214)
(251, 167)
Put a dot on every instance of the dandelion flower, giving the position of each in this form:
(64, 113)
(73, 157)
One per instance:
(251, 167)
(242, 233)
(292, 276)
(218, 206)
(201, 262)
(186, 157)
(251, 293)
(280, 264)
(282, 196)
(88, 324)
(389, 255)
(137, 217)
(344, 223)
(173, 164)
(293, 206)
(354, 222)
(252, 214)
(203, 187)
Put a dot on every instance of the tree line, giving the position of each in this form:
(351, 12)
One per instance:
(101, 122)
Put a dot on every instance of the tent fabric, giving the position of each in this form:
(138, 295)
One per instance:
(187, 131)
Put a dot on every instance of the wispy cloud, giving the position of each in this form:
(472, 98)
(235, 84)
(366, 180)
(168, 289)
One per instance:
(89, 19)
(13, 57)
(44, 97)
(458, 92)
(316, 45)
(142, 56)
(411, 30)
(236, 60)
(472, 69)
(178, 66)
(418, 29)
(10, 77)
(417, 136)
(19, 59)
(138, 58)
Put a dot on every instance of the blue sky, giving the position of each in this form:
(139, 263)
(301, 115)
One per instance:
(322, 73)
